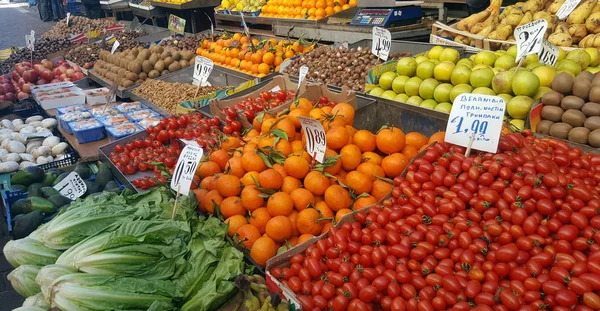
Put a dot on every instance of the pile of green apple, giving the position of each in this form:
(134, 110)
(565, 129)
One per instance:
(433, 79)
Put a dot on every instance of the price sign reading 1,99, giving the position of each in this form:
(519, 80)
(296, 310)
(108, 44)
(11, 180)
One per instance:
(316, 143)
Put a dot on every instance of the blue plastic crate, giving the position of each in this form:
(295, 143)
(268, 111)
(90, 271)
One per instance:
(64, 124)
(87, 135)
(129, 107)
(114, 120)
(112, 131)
(71, 108)
(141, 114)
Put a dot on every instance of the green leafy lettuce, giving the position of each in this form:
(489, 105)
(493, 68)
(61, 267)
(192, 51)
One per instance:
(22, 280)
(27, 251)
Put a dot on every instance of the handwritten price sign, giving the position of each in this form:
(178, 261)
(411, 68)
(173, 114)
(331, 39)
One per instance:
(316, 143)
(548, 54)
(382, 43)
(186, 168)
(529, 37)
(176, 24)
(72, 187)
(202, 69)
(477, 117)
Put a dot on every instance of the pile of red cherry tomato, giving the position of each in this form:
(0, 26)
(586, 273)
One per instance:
(191, 126)
(516, 230)
(251, 106)
(134, 156)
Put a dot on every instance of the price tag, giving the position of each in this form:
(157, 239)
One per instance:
(529, 37)
(246, 30)
(548, 54)
(316, 143)
(566, 9)
(382, 43)
(176, 24)
(212, 28)
(72, 186)
(186, 168)
(114, 47)
(68, 17)
(477, 116)
(302, 75)
(202, 69)
(275, 89)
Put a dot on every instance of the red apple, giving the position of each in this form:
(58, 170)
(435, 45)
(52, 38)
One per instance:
(42, 81)
(54, 81)
(21, 69)
(15, 76)
(62, 77)
(2, 98)
(22, 95)
(77, 68)
(47, 75)
(28, 64)
(57, 71)
(39, 68)
(10, 97)
(63, 68)
(31, 76)
(2, 90)
(87, 65)
(68, 79)
(78, 76)
(47, 64)
(21, 82)
(70, 73)
(27, 87)
(8, 87)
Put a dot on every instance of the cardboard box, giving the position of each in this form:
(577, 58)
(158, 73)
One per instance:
(96, 96)
(202, 101)
(67, 99)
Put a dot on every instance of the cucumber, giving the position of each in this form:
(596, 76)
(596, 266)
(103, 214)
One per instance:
(19, 188)
(28, 176)
(39, 204)
(59, 200)
(83, 170)
(35, 190)
(49, 178)
(112, 186)
(18, 207)
(104, 175)
(59, 178)
(49, 191)
(26, 224)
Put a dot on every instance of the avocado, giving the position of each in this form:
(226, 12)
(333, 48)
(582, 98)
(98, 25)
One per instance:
(112, 186)
(39, 204)
(91, 188)
(104, 175)
(49, 191)
(26, 224)
(59, 178)
(83, 170)
(28, 176)
(59, 200)
(49, 178)
(17, 207)
(19, 188)
(35, 190)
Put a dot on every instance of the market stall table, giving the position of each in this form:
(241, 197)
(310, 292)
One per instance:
(188, 9)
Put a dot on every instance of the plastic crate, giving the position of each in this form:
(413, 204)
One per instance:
(71, 155)
(112, 136)
(141, 114)
(71, 108)
(114, 119)
(89, 134)
(28, 107)
(65, 124)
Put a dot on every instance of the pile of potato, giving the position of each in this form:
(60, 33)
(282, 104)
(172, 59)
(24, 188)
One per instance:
(138, 64)
(572, 109)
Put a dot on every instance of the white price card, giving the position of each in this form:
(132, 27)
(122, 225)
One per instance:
(566, 9)
(115, 46)
(246, 30)
(183, 175)
(72, 187)
(548, 54)
(476, 116)
(529, 37)
(382, 43)
(302, 75)
(68, 17)
(276, 88)
(316, 143)
(202, 69)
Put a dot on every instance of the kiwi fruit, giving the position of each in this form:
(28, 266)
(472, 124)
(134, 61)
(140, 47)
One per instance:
(596, 81)
(560, 130)
(121, 71)
(594, 138)
(586, 74)
(131, 76)
(184, 63)
(153, 49)
(174, 66)
(164, 72)
(563, 83)
(573, 117)
(176, 56)
(146, 67)
(143, 75)
(159, 49)
(552, 113)
(153, 59)
(579, 135)
(153, 74)
(127, 83)
(136, 67)
(592, 123)
(552, 98)
(135, 52)
(168, 61)
(581, 88)
(188, 55)
(591, 109)
(544, 127)
(159, 66)
(139, 81)
(123, 63)
(165, 54)
(594, 95)
(130, 57)
(571, 102)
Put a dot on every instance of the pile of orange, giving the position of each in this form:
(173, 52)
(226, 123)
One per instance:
(273, 194)
(252, 56)
(305, 9)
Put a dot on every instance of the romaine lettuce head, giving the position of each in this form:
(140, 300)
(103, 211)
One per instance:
(48, 275)
(36, 300)
(22, 280)
(27, 251)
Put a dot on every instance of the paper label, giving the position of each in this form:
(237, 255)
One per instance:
(114, 47)
(37, 135)
(548, 54)
(68, 17)
(246, 30)
(202, 69)
(275, 89)
(478, 115)
(30, 41)
(176, 24)
(183, 175)
(382, 43)
(567, 8)
(316, 143)
(302, 75)
(529, 37)
(72, 187)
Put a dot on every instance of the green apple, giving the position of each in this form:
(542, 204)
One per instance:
(406, 66)
(411, 87)
(429, 103)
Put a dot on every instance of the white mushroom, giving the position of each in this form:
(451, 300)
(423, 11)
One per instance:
(51, 141)
(7, 124)
(49, 123)
(18, 137)
(26, 157)
(9, 167)
(25, 164)
(15, 146)
(41, 151)
(28, 130)
(16, 122)
(59, 148)
(34, 118)
(31, 145)
(41, 160)
(11, 157)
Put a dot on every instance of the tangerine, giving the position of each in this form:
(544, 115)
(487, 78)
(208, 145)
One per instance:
(308, 222)
(220, 157)
(337, 197)
(208, 168)
(337, 137)
(279, 228)
(249, 179)
(341, 213)
(416, 139)
(437, 137)
(371, 170)
(296, 166)
(394, 164)
(358, 182)
(235, 222)
(346, 111)
(270, 179)
(211, 198)
(251, 161)
(248, 234)
(290, 183)
(365, 140)
(262, 250)
(372, 157)
(251, 198)
(232, 206)
(316, 182)
(390, 140)
(380, 189)
(364, 201)
(229, 185)
(280, 204)
(259, 218)
(302, 198)
(350, 157)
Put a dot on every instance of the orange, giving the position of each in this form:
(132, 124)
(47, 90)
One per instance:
(268, 58)
(208, 168)
(308, 222)
(324, 210)
(251, 199)
(337, 166)
(294, 114)
(220, 157)
(235, 222)
(284, 147)
(317, 114)
(264, 68)
(394, 164)
(249, 179)
(301, 103)
(303, 238)
(211, 198)
(270, 179)
(337, 137)
(337, 197)
(416, 140)
(380, 189)
(290, 183)
(320, 4)
(287, 126)
(390, 140)
(263, 249)
(228, 185)
(265, 143)
(410, 151)
(230, 143)
(232, 206)
(372, 157)
(279, 168)
(326, 227)
(350, 157)
(251, 161)
(341, 213)
(371, 170)
(248, 234)
(316, 182)
(320, 13)
(359, 182)
(200, 194)
(265, 127)
(365, 140)
(293, 217)
(259, 218)
(280, 204)
(234, 165)
(279, 228)
(209, 183)
(363, 202)
(302, 198)
(437, 137)
(344, 110)
(296, 166)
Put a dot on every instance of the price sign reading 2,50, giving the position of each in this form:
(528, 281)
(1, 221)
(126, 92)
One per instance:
(477, 127)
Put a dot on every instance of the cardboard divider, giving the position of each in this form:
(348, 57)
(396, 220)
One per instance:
(447, 33)
(316, 90)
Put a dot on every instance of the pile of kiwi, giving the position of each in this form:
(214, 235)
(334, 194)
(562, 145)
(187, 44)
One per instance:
(572, 109)
(139, 64)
